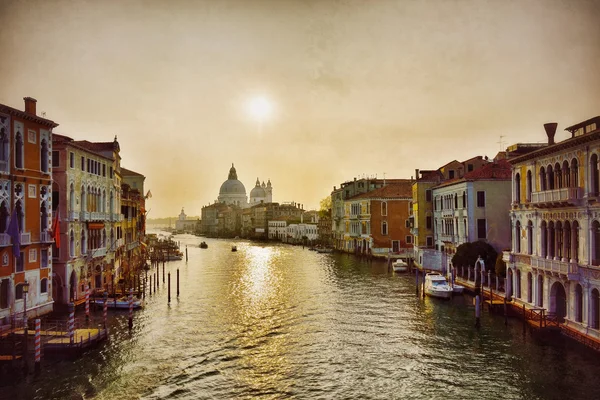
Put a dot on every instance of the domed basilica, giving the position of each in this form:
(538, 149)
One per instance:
(233, 192)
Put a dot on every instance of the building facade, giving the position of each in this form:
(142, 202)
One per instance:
(554, 262)
(26, 199)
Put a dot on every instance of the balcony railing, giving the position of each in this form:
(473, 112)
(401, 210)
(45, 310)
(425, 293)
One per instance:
(85, 216)
(562, 267)
(25, 238)
(557, 196)
(74, 215)
(4, 239)
(448, 238)
(45, 237)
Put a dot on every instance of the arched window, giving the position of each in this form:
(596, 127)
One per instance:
(540, 291)
(567, 241)
(528, 186)
(529, 238)
(518, 284)
(83, 198)
(551, 240)
(594, 183)
(575, 240)
(384, 228)
(20, 214)
(518, 237)
(83, 242)
(529, 287)
(595, 243)
(517, 198)
(44, 285)
(550, 177)
(19, 150)
(4, 149)
(558, 181)
(566, 174)
(44, 156)
(383, 208)
(559, 240)
(542, 179)
(574, 173)
(578, 303)
(595, 309)
(71, 198)
(544, 239)
(3, 217)
(72, 245)
(43, 217)
(455, 200)
(464, 199)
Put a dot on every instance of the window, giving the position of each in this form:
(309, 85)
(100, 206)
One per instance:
(428, 195)
(32, 191)
(44, 258)
(55, 159)
(4, 293)
(469, 167)
(19, 264)
(44, 155)
(31, 136)
(480, 199)
(429, 241)
(103, 169)
(383, 208)
(19, 156)
(110, 175)
(82, 163)
(19, 292)
(481, 229)
(72, 160)
(451, 174)
(428, 222)
(408, 239)
(32, 255)
(384, 228)
(407, 223)
(4, 143)
(44, 285)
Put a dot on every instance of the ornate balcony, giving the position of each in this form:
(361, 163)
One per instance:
(74, 215)
(45, 237)
(85, 216)
(25, 238)
(4, 239)
(557, 197)
(564, 268)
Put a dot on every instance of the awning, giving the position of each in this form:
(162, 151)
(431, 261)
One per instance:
(95, 225)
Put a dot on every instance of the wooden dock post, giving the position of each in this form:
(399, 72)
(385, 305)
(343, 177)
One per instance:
(38, 348)
(186, 255)
(130, 308)
(423, 283)
(477, 311)
(178, 281)
(169, 289)
(417, 281)
(163, 272)
(505, 312)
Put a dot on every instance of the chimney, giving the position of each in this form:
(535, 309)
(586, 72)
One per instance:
(417, 173)
(550, 131)
(30, 105)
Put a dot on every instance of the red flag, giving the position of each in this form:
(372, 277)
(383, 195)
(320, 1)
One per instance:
(56, 229)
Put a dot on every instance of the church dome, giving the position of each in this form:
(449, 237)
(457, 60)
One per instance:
(232, 185)
(258, 192)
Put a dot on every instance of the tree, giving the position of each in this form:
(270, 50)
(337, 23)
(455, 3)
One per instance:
(467, 254)
(500, 266)
(325, 207)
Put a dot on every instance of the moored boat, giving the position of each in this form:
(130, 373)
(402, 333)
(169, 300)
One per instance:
(400, 266)
(458, 289)
(203, 245)
(233, 248)
(437, 286)
(121, 303)
(324, 250)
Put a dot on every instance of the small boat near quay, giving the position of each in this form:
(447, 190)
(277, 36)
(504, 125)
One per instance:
(233, 248)
(400, 266)
(203, 245)
(457, 289)
(437, 286)
(121, 303)
(324, 250)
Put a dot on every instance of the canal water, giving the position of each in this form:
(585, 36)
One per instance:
(273, 321)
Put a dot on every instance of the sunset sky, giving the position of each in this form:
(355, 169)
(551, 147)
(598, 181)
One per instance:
(355, 87)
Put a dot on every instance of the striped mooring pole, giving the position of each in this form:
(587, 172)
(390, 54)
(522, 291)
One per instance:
(105, 309)
(130, 308)
(38, 347)
(87, 303)
(72, 323)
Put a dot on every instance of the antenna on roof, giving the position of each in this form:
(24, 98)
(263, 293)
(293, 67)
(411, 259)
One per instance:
(501, 142)
(43, 114)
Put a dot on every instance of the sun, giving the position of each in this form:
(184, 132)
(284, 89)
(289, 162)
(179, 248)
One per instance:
(260, 108)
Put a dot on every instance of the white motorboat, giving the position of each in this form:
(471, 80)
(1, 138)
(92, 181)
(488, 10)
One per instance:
(119, 303)
(400, 266)
(437, 286)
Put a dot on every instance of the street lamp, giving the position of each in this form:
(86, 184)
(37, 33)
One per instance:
(25, 291)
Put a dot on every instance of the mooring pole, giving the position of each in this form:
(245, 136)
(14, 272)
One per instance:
(186, 254)
(169, 288)
(477, 311)
(178, 281)
(38, 348)
(87, 304)
(423, 283)
(163, 272)
(71, 323)
(417, 280)
(130, 308)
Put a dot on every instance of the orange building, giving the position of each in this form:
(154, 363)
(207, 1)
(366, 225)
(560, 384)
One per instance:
(25, 194)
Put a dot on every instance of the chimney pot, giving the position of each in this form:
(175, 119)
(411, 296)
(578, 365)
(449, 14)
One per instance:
(417, 173)
(550, 129)
(30, 105)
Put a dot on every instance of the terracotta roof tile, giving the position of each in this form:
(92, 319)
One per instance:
(499, 170)
(389, 191)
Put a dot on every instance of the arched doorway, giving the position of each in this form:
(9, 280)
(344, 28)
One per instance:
(509, 283)
(558, 301)
(57, 289)
(73, 287)
(578, 303)
(540, 291)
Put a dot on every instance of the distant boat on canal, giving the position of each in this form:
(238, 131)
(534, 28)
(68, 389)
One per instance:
(203, 245)
(233, 248)
(400, 266)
